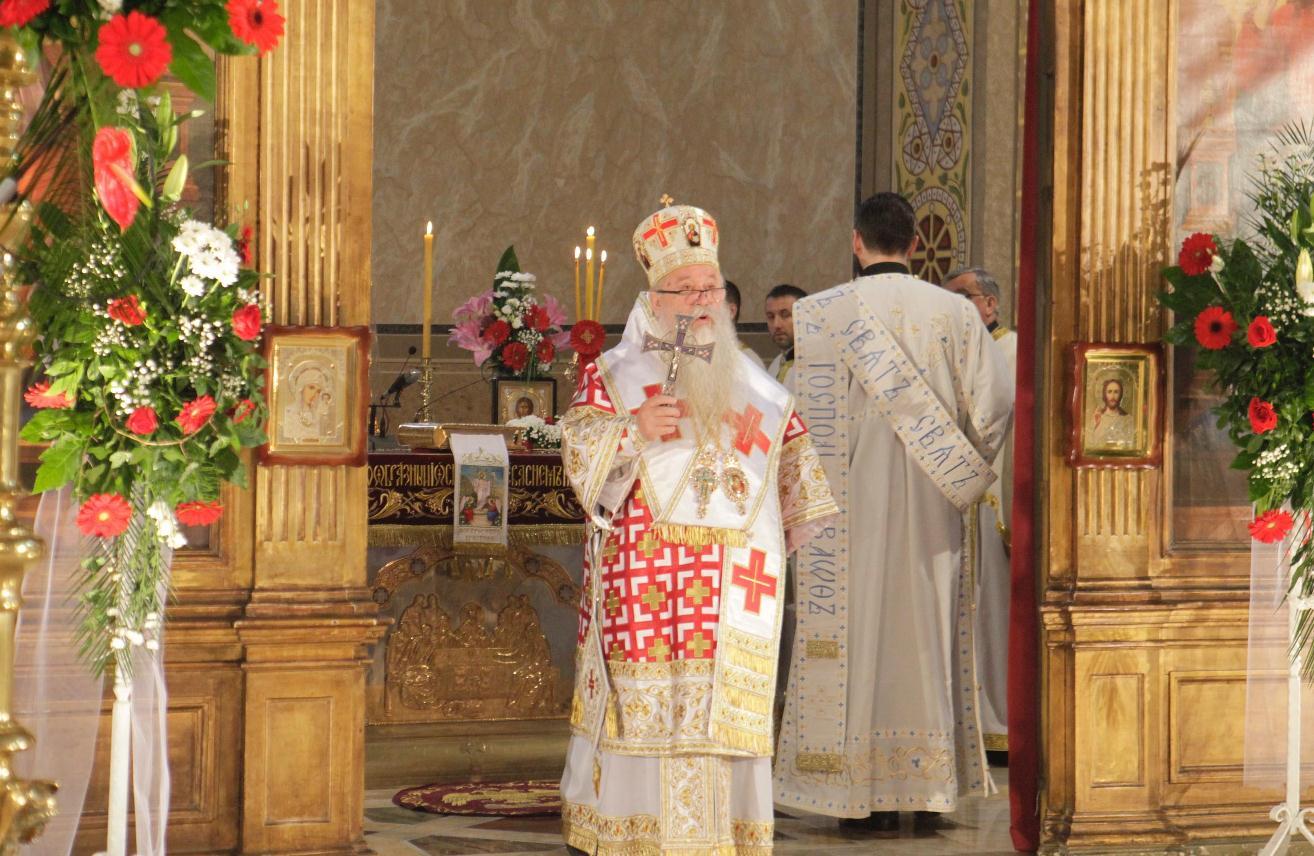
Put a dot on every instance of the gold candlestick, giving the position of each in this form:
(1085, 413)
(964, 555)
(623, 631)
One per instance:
(425, 413)
(25, 805)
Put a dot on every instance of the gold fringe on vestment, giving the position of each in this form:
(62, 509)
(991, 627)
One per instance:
(700, 536)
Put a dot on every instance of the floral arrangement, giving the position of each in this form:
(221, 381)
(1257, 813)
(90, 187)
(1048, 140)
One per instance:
(510, 328)
(538, 434)
(1248, 306)
(148, 319)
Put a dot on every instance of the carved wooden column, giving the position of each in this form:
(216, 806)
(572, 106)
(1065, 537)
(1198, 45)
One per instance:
(310, 619)
(1144, 645)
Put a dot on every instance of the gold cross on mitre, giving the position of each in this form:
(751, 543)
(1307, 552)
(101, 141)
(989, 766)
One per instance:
(666, 200)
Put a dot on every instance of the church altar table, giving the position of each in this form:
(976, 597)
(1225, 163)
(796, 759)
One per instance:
(473, 679)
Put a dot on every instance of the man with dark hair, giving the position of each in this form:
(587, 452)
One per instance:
(780, 324)
(908, 399)
(732, 302)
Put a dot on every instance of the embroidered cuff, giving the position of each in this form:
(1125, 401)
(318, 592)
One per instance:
(632, 442)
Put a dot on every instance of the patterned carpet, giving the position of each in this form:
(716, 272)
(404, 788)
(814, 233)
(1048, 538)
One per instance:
(513, 799)
(980, 827)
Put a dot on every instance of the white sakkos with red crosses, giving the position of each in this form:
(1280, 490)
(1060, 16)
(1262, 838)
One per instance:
(680, 625)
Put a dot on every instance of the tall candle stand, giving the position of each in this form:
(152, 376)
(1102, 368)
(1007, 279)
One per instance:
(425, 413)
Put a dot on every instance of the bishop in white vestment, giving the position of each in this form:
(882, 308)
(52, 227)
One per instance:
(698, 478)
(907, 399)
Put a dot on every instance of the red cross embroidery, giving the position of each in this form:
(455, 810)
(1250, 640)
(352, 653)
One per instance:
(659, 228)
(593, 685)
(755, 581)
(711, 224)
(748, 433)
(653, 389)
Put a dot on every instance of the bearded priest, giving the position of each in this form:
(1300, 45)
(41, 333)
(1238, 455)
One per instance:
(699, 478)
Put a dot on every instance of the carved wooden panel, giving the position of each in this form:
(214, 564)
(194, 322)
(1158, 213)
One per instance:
(304, 733)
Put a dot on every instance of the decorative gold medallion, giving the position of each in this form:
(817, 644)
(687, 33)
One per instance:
(704, 479)
(734, 481)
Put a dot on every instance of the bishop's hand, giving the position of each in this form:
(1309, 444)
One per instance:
(657, 417)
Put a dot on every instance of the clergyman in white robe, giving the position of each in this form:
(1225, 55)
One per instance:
(882, 710)
(994, 584)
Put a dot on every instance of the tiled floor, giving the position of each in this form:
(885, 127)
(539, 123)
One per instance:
(979, 827)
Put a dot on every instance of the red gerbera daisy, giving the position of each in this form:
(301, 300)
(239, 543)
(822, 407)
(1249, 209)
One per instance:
(256, 22)
(515, 356)
(195, 414)
(1271, 526)
(497, 332)
(38, 395)
(545, 351)
(104, 515)
(1214, 328)
(198, 513)
(537, 319)
(1197, 254)
(16, 13)
(134, 49)
(586, 337)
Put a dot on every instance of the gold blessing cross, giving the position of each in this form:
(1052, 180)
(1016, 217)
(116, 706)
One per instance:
(677, 348)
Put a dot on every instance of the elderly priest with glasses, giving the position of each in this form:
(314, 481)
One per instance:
(699, 478)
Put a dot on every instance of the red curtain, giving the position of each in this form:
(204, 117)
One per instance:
(1024, 624)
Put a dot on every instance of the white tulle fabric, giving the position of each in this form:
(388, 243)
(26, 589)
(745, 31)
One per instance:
(57, 699)
(1267, 663)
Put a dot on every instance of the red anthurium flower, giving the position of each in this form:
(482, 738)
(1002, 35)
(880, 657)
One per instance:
(515, 356)
(104, 515)
(246, 322)
(134, 49)
(1260, 333)
(243, 410)
(1214, 328)
(1197, 254)
(198, 513)
(38, 395)
(256, 22)
(195, 414)
(16, 13)
(1271, 526)
(497, 332)
(545, 351)
(1263, 417)
(537, 319)
(113, 165)
(586, 337)
(127, 311)
(143, 421)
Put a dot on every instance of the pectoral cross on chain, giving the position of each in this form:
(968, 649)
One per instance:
(678, 349)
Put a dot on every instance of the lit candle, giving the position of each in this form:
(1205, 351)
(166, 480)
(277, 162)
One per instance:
(602, 273)
(428, 290)
(588, 283)
(577, 283)
(588, 275)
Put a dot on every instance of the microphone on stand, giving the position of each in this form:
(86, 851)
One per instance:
(405, 378)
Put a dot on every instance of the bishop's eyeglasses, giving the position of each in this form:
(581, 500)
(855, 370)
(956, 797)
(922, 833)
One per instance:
(694, 295)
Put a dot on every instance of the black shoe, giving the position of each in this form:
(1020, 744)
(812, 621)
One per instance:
(877, 821)
(927, 821)
(575, 851)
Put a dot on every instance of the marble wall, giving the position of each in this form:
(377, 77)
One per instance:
(510, 121)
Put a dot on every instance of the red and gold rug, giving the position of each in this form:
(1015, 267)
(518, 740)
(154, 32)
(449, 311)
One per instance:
(505, 799)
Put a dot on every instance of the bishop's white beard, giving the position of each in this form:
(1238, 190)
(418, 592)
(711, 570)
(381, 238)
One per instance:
(710, 390)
